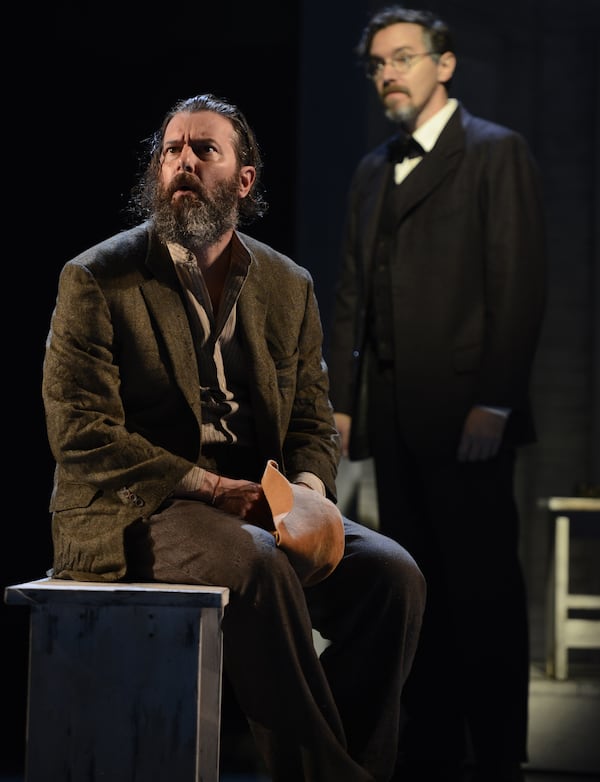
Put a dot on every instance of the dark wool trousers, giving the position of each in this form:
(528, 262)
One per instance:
(466, 698)
(314, 719)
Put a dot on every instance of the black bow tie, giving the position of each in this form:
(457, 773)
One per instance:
(404, 147)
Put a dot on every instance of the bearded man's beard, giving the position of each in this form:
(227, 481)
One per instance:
(200, 218)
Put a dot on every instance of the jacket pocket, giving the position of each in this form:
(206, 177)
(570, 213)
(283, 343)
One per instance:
(69, 496)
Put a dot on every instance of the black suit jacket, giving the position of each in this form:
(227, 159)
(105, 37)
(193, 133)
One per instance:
(467, 284)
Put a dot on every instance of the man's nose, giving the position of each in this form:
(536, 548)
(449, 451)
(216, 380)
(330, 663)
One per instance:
(186, 159)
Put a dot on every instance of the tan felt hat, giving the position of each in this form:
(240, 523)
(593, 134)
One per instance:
(308, 526)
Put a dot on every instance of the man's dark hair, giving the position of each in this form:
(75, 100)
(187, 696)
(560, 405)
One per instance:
(246, 148)
(436, 32)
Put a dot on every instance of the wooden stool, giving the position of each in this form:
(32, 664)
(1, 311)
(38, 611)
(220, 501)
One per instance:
(564, 631)
(124, 680)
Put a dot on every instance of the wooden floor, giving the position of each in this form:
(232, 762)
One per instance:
(564, 739)
(564, 725)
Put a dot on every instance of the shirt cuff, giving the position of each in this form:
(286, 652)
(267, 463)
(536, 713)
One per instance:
(310, 479)
(503, 411)
(191, 483)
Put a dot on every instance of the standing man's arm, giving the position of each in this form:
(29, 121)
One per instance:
(347, 322)
(515, 287)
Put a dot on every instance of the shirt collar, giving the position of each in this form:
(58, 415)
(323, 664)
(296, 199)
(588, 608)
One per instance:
(428, 133)
(240, 257)
(180, 254)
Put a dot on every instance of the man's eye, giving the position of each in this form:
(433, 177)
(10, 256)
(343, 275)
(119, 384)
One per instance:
(202, 150)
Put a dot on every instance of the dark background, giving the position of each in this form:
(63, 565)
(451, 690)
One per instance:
(103, 77)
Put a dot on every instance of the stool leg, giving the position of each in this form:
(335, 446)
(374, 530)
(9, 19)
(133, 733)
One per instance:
(561, 587)
(551, 613)
(209, 696)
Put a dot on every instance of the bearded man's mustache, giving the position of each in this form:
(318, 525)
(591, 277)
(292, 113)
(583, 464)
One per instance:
(185, 181)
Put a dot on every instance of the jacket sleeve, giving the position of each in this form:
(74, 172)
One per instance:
(86, 421)
(515, 274)
(312, 443)
(345, 343)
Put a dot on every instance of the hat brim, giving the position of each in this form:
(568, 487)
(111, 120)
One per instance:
(308, 526)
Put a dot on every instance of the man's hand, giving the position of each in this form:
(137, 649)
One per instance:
(481, 436)
(244, 499)
(343, 424)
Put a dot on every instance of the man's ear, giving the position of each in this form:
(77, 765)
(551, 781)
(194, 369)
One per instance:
(247, 177)
(446, 66)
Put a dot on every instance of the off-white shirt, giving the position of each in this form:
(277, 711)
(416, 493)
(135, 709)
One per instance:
(427, 135)
(227, 415)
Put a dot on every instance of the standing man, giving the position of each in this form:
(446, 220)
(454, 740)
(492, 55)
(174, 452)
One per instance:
(436, 322)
